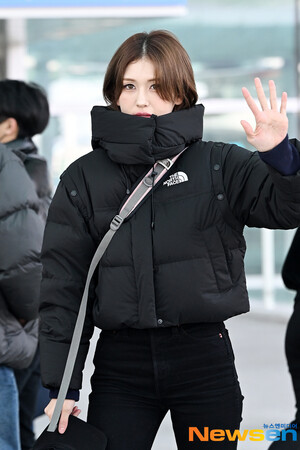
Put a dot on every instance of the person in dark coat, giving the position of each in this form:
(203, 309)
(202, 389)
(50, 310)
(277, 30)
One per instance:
(25, 198)
(291, 278)
(174, 271)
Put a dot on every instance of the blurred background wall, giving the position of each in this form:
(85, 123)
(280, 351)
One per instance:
(67, 48)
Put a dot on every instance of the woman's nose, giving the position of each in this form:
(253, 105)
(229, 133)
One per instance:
(142, 98)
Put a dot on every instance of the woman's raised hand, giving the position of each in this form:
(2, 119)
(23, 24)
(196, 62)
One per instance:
(271, 123)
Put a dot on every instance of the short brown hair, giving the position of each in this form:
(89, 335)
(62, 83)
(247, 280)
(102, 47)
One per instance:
(174, 73)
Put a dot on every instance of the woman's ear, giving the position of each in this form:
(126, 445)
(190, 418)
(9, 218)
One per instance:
(9, 130)
(178, 101)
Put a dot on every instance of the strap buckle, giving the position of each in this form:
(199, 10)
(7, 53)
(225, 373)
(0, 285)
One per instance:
(116, 222)
(166, 163)
(148, 182)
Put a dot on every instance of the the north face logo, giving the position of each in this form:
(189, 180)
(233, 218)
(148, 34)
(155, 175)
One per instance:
(176, 178)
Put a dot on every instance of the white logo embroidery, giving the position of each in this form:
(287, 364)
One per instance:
(176, 178)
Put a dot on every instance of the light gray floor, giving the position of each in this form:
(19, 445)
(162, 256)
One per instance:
(258, 341)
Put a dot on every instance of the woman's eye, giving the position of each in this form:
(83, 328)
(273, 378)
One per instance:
(153, 87)
(128, 87)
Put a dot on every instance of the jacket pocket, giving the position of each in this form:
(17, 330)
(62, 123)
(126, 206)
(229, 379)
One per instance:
(217, 257)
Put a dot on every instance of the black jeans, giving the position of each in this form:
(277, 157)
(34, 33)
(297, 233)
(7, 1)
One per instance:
(141, 374)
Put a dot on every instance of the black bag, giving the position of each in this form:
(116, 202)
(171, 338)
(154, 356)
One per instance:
(79, 435)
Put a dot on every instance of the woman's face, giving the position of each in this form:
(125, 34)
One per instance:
(139, 95)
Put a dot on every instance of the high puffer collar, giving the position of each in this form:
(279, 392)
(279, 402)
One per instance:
(25, 145)
(130, 139)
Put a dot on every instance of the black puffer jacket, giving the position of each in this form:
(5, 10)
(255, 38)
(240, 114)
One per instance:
(188, 266)
(22, 218)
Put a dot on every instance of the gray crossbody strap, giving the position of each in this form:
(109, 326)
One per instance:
(145, 186)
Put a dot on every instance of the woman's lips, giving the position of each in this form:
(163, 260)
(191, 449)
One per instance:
(143, 114)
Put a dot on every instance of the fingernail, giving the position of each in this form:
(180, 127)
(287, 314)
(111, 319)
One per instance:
(61, 429)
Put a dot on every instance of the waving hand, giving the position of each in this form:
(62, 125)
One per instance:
(271, 123)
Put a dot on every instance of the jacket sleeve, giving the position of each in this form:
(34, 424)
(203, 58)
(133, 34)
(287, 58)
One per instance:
(18, 344)
(291, 266)
(67, 252)
(257, 194)
(21, 231)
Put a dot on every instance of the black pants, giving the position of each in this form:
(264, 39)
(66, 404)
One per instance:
(141, 374)
(292, 349)
(28, 382)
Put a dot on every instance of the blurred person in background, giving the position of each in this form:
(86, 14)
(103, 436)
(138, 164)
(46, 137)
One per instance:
(175, 271)
(291, 278)
(24, 202)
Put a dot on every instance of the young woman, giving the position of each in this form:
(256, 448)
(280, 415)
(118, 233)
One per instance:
(174, 272)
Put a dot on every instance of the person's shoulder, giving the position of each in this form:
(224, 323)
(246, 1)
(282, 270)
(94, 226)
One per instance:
(81, 169)
(227, 146)
(209, 145)
(15, 180)
(231, 148)
(90, 164)
(231, 155)
(85, 161)
(236, 152)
